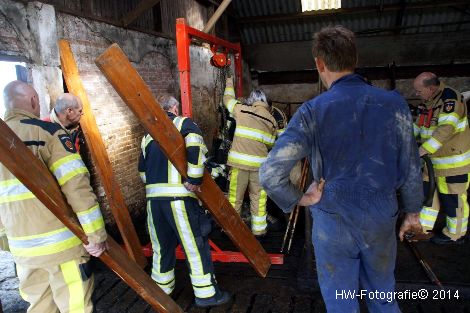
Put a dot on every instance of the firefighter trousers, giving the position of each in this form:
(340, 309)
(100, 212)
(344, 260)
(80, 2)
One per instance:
(61, 288)
(451, 196)
(240, 180)
(183, 222)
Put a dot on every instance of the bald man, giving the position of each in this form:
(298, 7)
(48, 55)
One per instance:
(52, 264)
(67, 111)
(442, 130)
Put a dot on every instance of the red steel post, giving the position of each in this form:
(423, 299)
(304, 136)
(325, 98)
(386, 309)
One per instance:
(184, 66)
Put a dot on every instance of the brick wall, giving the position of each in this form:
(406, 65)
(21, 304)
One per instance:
(153, 57)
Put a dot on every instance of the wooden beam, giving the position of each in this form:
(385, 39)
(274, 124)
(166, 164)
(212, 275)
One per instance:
(142, 6)
(214, 18)
(100, 156)
(115, 66)
(345, 11)
(32, 173)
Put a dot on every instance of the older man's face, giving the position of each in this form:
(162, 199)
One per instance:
(74, 114)
(424, 93)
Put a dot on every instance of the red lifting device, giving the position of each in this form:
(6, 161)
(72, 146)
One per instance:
(184, 34)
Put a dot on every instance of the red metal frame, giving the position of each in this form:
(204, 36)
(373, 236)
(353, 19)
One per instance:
(184, 33)
(218, 255)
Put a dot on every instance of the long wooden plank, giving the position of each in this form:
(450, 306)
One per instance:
(100, 156)
(115, 66)
(142, 6)
(22, 163)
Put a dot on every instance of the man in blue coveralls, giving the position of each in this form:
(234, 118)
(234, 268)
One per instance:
(363, 138)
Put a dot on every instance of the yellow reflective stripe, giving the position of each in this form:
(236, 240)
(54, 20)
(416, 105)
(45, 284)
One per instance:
(74, 283)
(448, 119)
(187, 237)
(432, 145)
(195, 171)
(68, 167)
(143, 177)
(245, 159)
(64, 160)
(462, 126)
(202, 285)
(174, 176)
(454, 161)
(262, 203)
(13, 190)
(231, 105)
(193, 139)
(166, 281)
(229, 91)
(451, 223)
(145, 141)
(91, 219)
(71, 174)
(254, 134)
(442, 185)
(167, 190)
(46, 250)
(232, 194)
(178, 122)
(280, 131)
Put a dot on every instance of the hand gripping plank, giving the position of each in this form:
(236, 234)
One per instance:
(115, 66)
(32, 173)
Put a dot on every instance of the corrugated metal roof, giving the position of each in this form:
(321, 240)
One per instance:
(426, 20)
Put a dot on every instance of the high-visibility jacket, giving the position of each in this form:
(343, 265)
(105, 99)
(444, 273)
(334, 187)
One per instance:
(36, 237)
(74, 133)
(255, 132)
(442, 127)
(162, 180)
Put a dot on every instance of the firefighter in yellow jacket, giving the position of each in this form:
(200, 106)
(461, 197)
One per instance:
(52, 264)
(255, 134)
(442, 128)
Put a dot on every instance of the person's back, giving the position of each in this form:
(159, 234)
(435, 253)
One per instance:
(359, 140)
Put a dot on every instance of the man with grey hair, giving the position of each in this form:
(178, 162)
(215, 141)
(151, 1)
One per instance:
(442, 130)
(52, 264)
(67, 111)
(174, 213)
(255, 134)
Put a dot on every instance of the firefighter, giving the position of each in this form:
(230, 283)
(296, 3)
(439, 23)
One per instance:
(442, 128)
(175, 214)
(52, 264)
(353, 229)
(255, 134)
(67, 111)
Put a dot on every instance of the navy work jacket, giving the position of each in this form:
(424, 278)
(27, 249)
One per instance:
(365, 138)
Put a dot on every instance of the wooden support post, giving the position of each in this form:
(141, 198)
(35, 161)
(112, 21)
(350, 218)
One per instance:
(100, 156)
(115, 66)
(32, 173)
(214, 18)
(142, 6)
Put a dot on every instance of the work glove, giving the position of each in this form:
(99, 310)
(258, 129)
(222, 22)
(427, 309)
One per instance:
(96, 249)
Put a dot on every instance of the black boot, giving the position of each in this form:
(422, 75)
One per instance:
(220, 298)
(441, 239)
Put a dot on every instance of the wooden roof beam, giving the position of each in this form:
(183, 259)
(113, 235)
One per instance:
(356, 10)
(142, 6)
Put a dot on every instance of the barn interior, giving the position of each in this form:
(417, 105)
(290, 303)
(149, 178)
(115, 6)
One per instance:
(396, 41)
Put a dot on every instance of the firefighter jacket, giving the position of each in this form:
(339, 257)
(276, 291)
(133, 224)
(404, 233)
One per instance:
(36, 237)
(442, 128)
(74, 133)
(162, 180)
(255, 132)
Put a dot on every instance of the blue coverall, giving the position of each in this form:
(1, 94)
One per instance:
(365, 138)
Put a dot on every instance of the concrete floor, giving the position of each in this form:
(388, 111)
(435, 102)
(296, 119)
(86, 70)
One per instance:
(289, 288)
